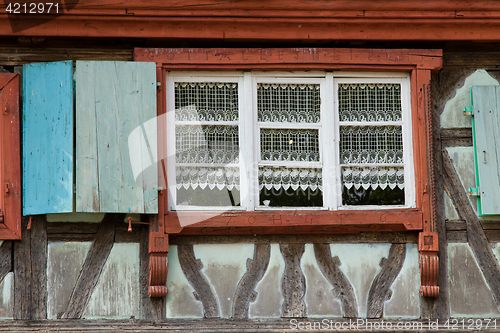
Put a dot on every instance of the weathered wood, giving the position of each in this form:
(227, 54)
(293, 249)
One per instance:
(22, 274)
(30, 271)
(230, 326)
(12, 56)
(245, 290)
(124, 236)
(92, 267)
(38, 253)
(487, 147)
(116, 171)
(10, 157)
(5, 259)
(287, 222)
(456, 137)
(475, 234)
(293, 282)
(179, 58)
(191, 267)
(364, 237)
(48, 138)
(342, 288)
(153, 309)
(72, 228)
(380, 288)
(84, 232)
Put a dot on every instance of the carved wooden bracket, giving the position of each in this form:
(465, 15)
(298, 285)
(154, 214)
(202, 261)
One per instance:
(158, 261)
(429, 263)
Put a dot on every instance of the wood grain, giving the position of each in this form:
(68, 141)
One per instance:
(475, 234)
(380, 288)
(152, 309)
(342, 288)
(48, 138)
(30, 271)
(10, 157)
(191, 267)
(92, 267)
(115, 99)
(245, 290)
(293, 282)
(5, 259)
(456, 137)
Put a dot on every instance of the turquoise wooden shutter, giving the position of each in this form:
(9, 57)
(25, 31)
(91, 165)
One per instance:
(486, 125)
(116, 157)
(48, 138)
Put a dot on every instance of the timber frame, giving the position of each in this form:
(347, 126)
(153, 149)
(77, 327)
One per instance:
(10, 158)
(419, 63)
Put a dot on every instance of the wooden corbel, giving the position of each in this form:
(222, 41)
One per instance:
(429, 263)
(158, 261)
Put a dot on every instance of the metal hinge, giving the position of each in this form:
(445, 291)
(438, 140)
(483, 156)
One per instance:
(158, 84)
(468, 111)
(474, 191)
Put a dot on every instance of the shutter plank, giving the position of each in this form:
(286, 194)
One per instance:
(487, 134)
(87, 180)
(124, 97)
(48, 138)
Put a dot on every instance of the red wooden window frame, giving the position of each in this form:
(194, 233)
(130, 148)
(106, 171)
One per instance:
(419, 63)
(10, 157)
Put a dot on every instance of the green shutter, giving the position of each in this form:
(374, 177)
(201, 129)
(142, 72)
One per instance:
(116, 158)
(486, 127)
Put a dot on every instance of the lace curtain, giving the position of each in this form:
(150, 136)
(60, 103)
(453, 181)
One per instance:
(288, 103)
(369, 102)
(289, 145)
(370, 144)
(206, 144)
(294, 178)
(373, 177)
(206, 101)
(203, 177)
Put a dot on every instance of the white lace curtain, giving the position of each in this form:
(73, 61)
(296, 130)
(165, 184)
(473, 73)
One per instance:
(294, 178)
(373, 177)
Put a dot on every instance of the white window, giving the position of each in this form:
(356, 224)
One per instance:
(263, 141)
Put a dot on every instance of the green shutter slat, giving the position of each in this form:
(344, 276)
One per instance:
(486, 111)
(47, 138)
(113, 101)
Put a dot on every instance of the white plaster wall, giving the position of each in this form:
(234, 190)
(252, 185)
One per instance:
(180, 299)
(116, 294)
(269, 297)
(452, 116)
(360, 263)
(224, 265)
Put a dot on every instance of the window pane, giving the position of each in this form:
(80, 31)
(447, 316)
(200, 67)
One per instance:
(369, 102)
(289, 145)
(288, 103)
(207, 156)
(205, 186)
(206, 101)
(373, 186)
(206, 144)
(296, 187)
(370, 144)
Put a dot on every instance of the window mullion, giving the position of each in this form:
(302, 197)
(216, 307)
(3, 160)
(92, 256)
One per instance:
(247, 144)
(329, 133)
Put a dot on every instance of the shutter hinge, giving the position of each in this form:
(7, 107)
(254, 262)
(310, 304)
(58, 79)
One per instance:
(6, 188)
(468, 111)
(474, 191)
(158, 84)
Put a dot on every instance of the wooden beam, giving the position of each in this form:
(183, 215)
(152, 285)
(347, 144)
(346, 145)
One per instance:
(92, 267)
(30, 271)
(293, 282)
(153, 309)
(456, 137)
(5, 259)
(475, 234)
(380, 288)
